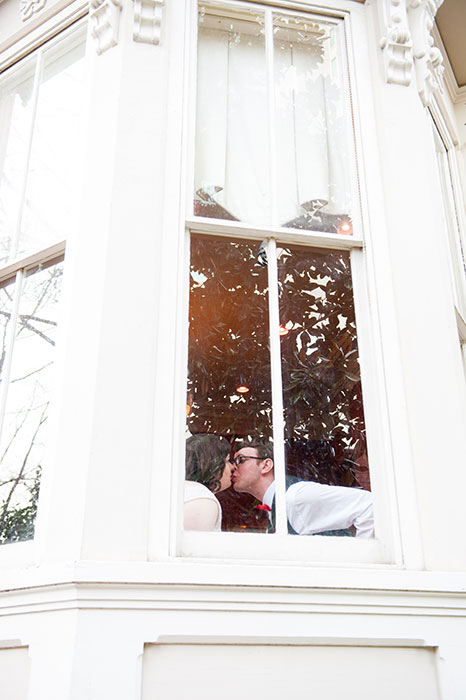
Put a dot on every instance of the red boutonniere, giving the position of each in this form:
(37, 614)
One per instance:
(263, 506)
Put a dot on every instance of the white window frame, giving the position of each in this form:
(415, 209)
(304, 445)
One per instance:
(385, 549)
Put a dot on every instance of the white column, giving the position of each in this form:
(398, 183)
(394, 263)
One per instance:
(95, 504)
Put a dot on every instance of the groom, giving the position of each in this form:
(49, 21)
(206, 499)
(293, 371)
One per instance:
(311, 508)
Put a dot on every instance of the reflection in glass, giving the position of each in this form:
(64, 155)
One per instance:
(41, 107)
(7, 291)
(23, 440)
(52, 192)
(15, 125)
(325, 433)
(272, 121)
(312, 169)
(229, 392)
(229, 378)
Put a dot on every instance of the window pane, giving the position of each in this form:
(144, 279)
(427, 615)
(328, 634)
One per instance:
(24, 433)
(16, 89)
(311, 140)
(7, 291)
(229, 392)
(273, 127)
(54, 178)
(232, 143)
(324, 418)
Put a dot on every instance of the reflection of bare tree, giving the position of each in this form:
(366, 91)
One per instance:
(6, 316)
(20, 476)
(25, 322)
(17, 523)
(27, 397)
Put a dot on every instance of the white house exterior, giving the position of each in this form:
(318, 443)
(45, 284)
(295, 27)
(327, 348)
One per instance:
(111, 598)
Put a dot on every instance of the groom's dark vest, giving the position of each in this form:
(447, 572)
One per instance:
(290, 480)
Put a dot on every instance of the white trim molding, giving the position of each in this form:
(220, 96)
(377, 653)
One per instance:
(28, 8)
(147, 21)
(396, 42)
(105, 23)
(428, 59)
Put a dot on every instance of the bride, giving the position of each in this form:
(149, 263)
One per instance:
(208, 471)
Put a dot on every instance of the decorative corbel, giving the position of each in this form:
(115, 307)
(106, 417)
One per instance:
(105, 22)
(428, 60)
(396, 42)
(147, 21)
(28, 8)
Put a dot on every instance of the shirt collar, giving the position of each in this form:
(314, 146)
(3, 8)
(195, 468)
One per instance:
(269, 495)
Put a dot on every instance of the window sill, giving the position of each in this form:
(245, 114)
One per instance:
(16, 554)
(283, 550)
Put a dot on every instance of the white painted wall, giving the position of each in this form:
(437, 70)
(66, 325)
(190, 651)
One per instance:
(325, 671)
(14, 672)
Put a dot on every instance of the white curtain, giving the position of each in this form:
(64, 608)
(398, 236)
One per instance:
(232, 146)
(212, 115)
(232, 128)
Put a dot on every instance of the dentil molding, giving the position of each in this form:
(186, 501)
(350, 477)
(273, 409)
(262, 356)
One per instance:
(105, 21)
(407, 41)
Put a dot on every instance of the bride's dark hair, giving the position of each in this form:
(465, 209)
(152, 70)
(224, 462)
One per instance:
(205, 459)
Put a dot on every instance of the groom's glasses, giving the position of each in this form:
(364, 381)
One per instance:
(243, 458)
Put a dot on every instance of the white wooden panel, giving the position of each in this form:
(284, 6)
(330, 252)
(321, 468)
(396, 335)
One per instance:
(14, 673)
(229, 671)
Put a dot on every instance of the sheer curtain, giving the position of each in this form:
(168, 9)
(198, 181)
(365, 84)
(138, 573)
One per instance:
(232, 123)
(235, 129)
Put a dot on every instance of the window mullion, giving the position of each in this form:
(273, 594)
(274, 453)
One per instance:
(281, 526)
(277, 393)
(9, 345)
(19, 215)
(269, 52)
